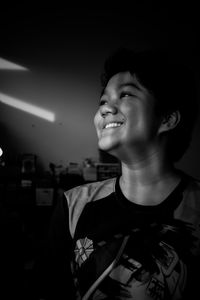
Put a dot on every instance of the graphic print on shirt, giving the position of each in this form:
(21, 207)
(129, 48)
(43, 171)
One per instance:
(84, 247)
(153, 264)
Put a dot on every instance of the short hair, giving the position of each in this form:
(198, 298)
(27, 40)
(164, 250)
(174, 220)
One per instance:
(172, 83)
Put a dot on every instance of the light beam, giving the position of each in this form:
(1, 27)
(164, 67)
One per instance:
(29, 108)
(8, 65)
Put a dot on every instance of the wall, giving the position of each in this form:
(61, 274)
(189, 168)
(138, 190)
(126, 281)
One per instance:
(73, 100)
(64, 50)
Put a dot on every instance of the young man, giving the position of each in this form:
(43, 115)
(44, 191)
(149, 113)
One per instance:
(137, 236)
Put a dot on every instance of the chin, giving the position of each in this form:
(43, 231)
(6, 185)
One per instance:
(111, 148)
(104, 147)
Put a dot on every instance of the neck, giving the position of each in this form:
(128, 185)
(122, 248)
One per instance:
(148, 181)
(146, 173)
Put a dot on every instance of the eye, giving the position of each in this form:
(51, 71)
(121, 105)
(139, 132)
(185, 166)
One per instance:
(126, 94)
(102, 102)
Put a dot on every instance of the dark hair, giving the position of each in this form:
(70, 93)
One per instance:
(171, 83)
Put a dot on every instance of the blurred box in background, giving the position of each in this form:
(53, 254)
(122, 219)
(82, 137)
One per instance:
(90, 173)
(44, 196)
(107, 170)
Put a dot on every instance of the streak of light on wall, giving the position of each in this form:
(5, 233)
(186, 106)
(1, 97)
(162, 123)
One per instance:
(27, 107)
(8, 65)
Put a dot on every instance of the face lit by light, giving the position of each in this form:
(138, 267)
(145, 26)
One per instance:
(125, 118)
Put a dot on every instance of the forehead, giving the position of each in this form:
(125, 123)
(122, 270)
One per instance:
(123, 79)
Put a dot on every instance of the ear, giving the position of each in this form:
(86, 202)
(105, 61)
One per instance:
(170, 121)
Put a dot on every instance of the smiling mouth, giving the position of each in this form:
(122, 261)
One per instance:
(113, 125)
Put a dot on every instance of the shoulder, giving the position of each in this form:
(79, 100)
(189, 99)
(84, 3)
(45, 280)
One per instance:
(192, 192)
(79, 196)
(189, 209)
(90, 191)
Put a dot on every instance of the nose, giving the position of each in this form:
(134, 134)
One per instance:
(108, 108)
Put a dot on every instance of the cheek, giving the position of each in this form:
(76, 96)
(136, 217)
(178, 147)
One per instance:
(138, 121)
(97, 119)
(133, 117)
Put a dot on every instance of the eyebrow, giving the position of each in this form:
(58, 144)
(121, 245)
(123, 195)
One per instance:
(132, 84)
(122, 85)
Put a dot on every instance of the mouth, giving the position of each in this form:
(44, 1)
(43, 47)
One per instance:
(113, 125)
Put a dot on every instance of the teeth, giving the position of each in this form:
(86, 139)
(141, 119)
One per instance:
(111, 125)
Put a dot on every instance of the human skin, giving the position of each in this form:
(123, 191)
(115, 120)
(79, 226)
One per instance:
(129, 128)
(126, 122)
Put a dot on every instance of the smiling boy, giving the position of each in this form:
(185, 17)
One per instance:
(136, 236)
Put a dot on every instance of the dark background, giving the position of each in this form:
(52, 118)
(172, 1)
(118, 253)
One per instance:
(63, 48)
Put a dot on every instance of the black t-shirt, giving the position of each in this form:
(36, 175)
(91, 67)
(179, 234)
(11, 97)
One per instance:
(116, 249)
(152, 248)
